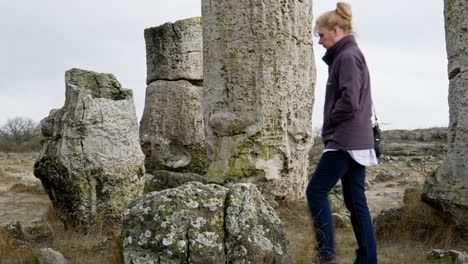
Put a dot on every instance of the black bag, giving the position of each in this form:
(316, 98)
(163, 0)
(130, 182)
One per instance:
(377, 134)
(377, 138)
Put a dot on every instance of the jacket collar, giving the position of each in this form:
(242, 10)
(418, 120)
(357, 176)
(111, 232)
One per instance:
(336, 49)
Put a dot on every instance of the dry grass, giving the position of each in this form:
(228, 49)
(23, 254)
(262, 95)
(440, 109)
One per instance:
(99, 245)
(399, 245)
(297, 224)
(13, 251)
(420, 223)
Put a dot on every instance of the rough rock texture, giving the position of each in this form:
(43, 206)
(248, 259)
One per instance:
(415, 142)
(258, 93)
(447, 189)
(162, 180)
(91, 163)
(197, 223)
(171, 132)
(50, 256)
(254, 233)
(174, 51)
(448, 256)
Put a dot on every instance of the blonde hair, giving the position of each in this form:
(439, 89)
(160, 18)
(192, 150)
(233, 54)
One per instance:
(340, 17)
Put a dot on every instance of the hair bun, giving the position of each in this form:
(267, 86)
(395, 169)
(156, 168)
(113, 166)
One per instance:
(344, 10)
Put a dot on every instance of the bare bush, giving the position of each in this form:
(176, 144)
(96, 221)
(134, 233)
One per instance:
(20, 134)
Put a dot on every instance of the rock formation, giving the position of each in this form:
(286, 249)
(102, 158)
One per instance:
(197, 223)
(91, 163)
(258, 93)
(171, 129)
(447, 188)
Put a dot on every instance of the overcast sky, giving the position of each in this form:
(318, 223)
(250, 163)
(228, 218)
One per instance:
(403, 42)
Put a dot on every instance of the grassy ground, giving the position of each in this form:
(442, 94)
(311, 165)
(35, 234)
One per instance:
(416, 232)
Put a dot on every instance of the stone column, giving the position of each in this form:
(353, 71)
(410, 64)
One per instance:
(447, 188)
(171, 129)
(259, 80)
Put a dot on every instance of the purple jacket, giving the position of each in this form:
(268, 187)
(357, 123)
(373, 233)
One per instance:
(347, 113)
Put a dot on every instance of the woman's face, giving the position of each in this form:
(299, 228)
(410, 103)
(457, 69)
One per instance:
(327, 38)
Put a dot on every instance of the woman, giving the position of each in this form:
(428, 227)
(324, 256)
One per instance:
(347, 136)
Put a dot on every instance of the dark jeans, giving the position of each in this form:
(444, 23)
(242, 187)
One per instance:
(333, 166)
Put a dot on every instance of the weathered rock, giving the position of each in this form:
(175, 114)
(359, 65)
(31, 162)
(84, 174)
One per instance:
(162, 180)
(388, 219)
(91, 162)
(431, 141)
(258, 93)
(341, 220)
(448, 256)
(171, 131)
(447, 189)
(254, 233)
(197, 223)
(15, 230)
(386, 175)
(174, 51)
(50, 256)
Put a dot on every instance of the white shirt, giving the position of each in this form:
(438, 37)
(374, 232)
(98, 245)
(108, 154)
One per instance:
(365, 157)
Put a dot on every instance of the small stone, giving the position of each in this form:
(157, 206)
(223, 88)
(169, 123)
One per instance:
(50, 256)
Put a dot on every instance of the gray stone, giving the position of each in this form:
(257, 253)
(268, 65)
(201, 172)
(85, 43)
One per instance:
(388, 219)
(162, 180)
(448, 256)
(14, 229)
(258, 83)
(171, 131)
(91, 163)
(341, 220)
(386, 175)
(197, 223)
(174, 51)
(254, 233)
(50, 256)
(447, 189)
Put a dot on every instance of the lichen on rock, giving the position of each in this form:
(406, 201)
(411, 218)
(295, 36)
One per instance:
(91, 163)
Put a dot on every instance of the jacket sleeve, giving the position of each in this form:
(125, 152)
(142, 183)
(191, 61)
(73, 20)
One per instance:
(349, 76)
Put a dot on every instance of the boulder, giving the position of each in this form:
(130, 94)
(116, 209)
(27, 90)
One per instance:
(447, 188)
(447, 256)
(198, 223)
(50, 256)
(91, 163)
(258, 79)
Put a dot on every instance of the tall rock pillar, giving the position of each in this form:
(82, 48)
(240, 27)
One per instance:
(447, 189)
(91, 164)
(171, 128)
(259, 78)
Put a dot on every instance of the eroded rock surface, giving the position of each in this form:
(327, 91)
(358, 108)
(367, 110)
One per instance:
(197, 223)
(91, 163)
(258, 93)
(172, 127)
(447, 189)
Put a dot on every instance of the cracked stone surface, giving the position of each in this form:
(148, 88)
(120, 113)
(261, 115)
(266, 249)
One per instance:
(198, 223)
(259, 79)
(172, 127)
(447, 189)
(174, 51)
(91, 164)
